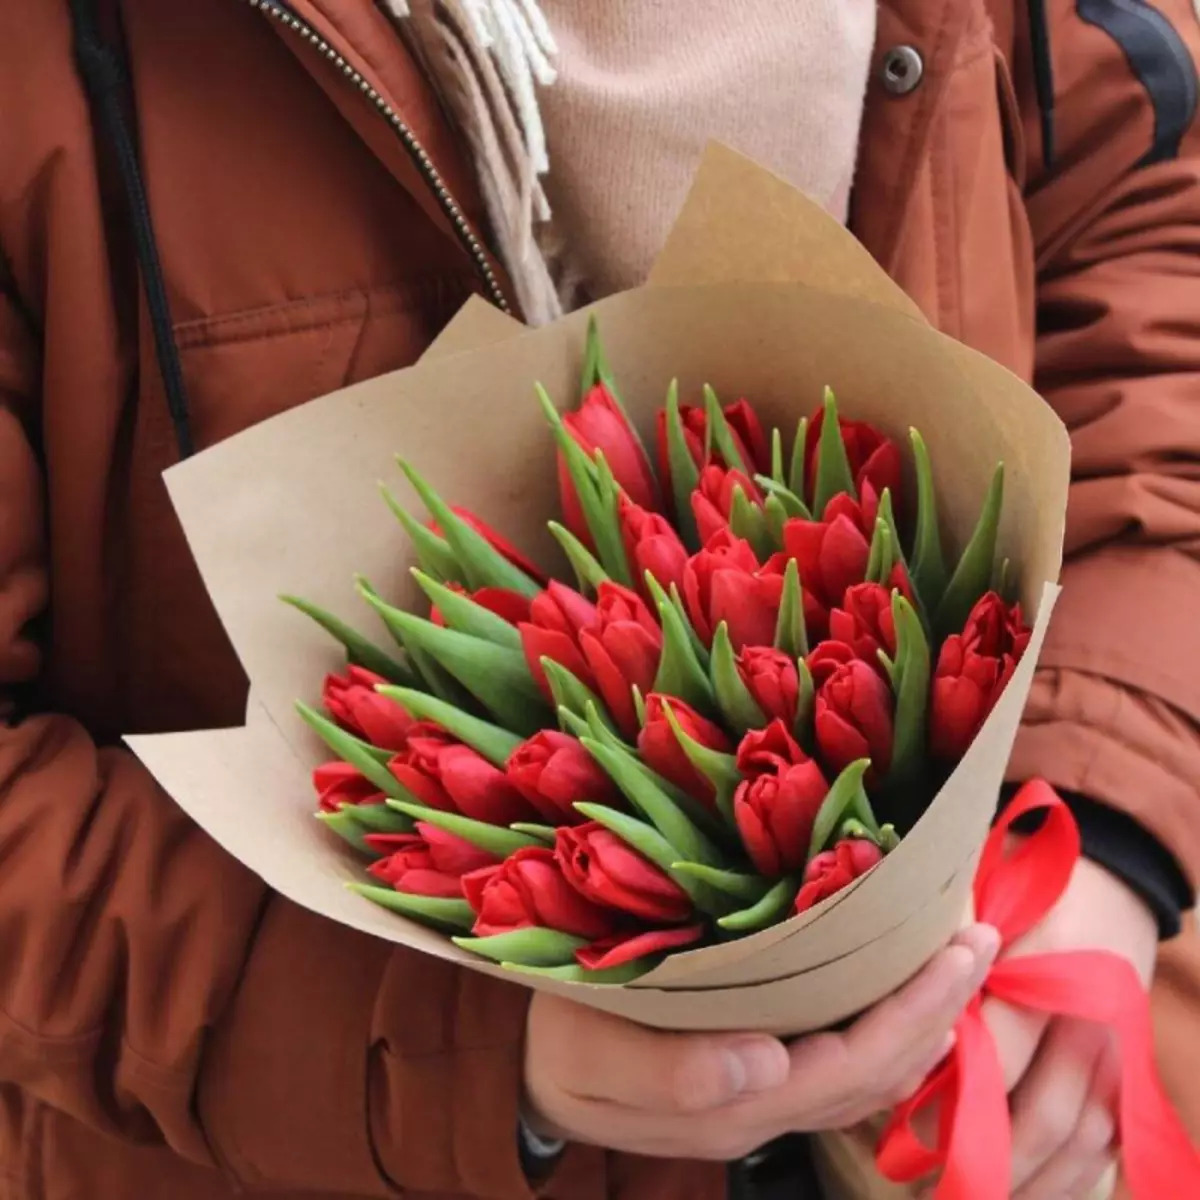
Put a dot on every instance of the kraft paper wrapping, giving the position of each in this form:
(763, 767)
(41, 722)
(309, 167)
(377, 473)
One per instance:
(292, 506)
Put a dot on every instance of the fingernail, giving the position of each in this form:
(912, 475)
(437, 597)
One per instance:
(758, 1065)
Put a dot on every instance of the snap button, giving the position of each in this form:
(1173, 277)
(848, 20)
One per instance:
(902, 69)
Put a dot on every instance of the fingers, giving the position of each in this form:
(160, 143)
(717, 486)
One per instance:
(838, 1079)
(1062, 1127)
(602, 1058)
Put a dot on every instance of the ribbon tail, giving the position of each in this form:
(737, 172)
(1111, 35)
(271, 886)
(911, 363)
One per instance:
(1158, 1158)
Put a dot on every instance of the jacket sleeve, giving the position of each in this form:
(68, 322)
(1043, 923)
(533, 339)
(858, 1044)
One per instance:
(151, 987)
(1115, 210)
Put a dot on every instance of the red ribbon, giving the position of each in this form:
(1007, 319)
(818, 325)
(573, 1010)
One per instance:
(1014, 892)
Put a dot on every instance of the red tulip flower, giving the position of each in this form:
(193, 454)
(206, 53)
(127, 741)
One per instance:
(832, 556)
(826, 658)
(835, 869)
(972, 671)
(853, 719)
(611, 646)
(651, 544)
(339, 785)
(744, 427)
(661, 751)
(875, 460)
(712, 501)
(429, 862)
(772, 680)
(529, 889)
(776, 804)
(508, 605)
(599, 424)
(624, 948)
(864, 621)
(442, 773)
(353, 702)
(554, 772)
(602, 867)
(724, 582)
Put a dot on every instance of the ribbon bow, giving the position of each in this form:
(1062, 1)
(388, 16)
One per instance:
(1014, 892)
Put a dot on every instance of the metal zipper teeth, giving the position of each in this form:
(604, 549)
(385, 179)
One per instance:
(416, 151)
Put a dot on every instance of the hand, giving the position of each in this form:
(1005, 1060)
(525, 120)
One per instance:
(1061, 1073)
(595, 1078)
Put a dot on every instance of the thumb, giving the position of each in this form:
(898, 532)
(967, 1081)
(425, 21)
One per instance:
(620, 1063)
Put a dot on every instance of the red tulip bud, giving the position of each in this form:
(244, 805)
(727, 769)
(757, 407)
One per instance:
(828, 873)
(772, 680)
(529, 889)
(352, 701)
(972, 671)
(430, 862)
(724, 582)
(661, 751)
(554, 772)
(600, 866)
(854, 719)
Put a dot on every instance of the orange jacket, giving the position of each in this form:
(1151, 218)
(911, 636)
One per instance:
(168, 1029)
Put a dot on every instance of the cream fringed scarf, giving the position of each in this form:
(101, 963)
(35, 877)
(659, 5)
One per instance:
(587, 118)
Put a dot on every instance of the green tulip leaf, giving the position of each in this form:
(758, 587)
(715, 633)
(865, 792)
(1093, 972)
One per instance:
(347, 828)
(791, 634)
(685, 476)
(737, 705)
(546, 834)
(574, 973)
(777, 467)
(797, 483)
(492, 839)
(532, 947)
(846, 798)
(718, 768)
(680, 672)
(748, 889)
(776, 517)
(833, 467)
(482, 564)
(446, 915)
(802, 727)
(748, 521)
(659, 597)
(369, 761)
(588, 572)
(721, 435)
(773, 906)
(498, 676)
(654, 804)
(359, 651)
(434, 554)
(491, 741)
(973, 575)
(793, 506)
(912, 692)
(465, 615)
(571, 693)
(928, 567)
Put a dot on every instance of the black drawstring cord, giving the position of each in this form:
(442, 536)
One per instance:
(103, 74)
(1043, 75)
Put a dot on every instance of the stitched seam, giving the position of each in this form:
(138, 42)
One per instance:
(284, 306)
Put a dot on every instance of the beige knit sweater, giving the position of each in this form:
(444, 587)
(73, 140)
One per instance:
(588, 118)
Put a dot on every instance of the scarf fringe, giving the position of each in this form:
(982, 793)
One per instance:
(488, 58)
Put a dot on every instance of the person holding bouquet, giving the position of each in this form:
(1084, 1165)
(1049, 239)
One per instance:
(211, 213)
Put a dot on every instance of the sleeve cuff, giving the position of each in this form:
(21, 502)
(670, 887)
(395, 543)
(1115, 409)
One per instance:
(539, 1155)
(1114, 840)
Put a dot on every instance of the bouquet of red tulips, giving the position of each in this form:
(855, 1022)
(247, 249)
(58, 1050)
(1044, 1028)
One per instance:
(752, 692)
(692, 708)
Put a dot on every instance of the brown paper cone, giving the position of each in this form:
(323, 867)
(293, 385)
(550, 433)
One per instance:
(291, 506)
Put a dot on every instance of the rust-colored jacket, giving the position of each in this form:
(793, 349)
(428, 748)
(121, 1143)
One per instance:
(168, 1029)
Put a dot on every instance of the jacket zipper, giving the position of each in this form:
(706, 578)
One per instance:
(420, 157)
